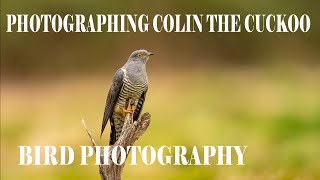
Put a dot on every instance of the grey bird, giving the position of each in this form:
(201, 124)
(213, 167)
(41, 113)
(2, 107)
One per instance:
(129, 85)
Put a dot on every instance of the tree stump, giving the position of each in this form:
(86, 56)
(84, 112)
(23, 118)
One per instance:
(131, 132)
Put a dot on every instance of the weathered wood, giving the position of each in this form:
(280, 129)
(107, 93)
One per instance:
(131, 132)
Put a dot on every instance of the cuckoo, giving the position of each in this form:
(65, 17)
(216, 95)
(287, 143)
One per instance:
(129, 85)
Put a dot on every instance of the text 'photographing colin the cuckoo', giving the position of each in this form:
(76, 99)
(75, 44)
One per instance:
(176, 23)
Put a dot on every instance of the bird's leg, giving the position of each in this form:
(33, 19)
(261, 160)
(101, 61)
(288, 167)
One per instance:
(133, 107)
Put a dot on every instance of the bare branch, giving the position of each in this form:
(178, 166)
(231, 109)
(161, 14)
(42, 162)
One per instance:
(89, 134)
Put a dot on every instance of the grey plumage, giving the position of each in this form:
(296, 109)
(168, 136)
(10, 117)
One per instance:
(129, 84)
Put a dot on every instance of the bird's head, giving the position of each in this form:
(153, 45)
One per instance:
(140, 55)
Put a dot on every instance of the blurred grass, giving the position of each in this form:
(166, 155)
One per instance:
(275, 113)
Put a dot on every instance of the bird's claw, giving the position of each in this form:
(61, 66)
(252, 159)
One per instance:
(133, 108)
(131, 111)
(127, 111)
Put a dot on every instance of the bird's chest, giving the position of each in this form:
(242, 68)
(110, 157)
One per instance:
(132, 89)
(134, 84)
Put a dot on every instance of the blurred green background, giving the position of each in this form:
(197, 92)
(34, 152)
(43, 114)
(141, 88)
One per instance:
(256, 89)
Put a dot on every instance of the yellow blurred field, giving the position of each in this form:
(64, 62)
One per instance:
(276, 113)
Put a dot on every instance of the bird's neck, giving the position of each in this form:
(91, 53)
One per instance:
(136, 69)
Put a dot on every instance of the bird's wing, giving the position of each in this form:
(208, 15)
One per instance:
(117, 83)
(138, 110)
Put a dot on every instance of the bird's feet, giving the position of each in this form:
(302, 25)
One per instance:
(125, 111)
(131, 111)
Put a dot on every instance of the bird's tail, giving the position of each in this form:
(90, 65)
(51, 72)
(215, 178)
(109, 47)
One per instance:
(112, 134)
(116, 122)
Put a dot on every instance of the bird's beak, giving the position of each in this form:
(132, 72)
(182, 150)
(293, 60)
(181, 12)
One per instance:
(150, 53)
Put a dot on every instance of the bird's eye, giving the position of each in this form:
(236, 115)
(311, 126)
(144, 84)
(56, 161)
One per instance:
(139, 55)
